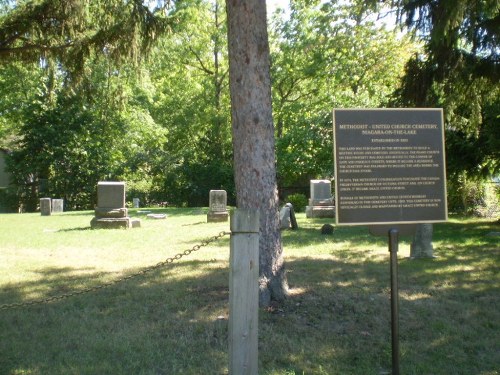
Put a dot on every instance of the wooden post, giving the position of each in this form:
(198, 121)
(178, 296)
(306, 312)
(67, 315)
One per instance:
(244, 293)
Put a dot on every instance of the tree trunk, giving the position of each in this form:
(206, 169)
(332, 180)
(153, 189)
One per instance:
(253, 136)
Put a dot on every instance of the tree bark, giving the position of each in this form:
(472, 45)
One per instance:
(253, 136)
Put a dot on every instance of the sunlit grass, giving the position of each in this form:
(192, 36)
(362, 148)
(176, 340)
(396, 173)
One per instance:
(174, 320)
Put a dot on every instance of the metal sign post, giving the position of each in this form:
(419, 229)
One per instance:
(393, 250)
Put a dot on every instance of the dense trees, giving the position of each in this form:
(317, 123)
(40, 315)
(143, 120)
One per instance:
(459, 71)
(327, 55)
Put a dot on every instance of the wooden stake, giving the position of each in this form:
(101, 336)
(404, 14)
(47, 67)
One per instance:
(244, 293)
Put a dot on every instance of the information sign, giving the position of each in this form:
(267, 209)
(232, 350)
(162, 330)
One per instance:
(389, 166)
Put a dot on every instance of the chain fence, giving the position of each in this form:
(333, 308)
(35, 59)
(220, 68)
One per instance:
(117, 281)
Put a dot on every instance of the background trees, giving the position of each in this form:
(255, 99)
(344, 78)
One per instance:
(459, 70)
(326, 56)
(164, 110)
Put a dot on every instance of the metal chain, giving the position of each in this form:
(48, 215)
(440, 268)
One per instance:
(114, 282)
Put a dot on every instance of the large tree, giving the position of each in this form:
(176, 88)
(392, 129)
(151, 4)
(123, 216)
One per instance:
(459, 71)
(253, 135)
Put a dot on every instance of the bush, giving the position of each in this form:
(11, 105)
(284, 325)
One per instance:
(299, 202)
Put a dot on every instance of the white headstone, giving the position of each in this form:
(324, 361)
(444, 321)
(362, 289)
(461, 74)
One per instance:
(57, 205)
(217, 210)
(135, 202)
(321, 201)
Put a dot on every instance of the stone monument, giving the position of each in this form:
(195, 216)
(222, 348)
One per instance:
(321, 202)
(45, 206)
(57, 205)
(287, 217)
(285, 221)
(135, 202)
(111, 212)
(421, 247)
(217, 211)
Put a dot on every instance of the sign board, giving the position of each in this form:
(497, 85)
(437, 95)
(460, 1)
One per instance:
(389, 166)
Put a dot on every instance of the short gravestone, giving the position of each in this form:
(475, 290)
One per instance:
(285, 221)
(321, 202)
(57, 205)
(111, 212)
(421, 247)
(135, 202)
(217, 210)
(287, 217)
(45, 206)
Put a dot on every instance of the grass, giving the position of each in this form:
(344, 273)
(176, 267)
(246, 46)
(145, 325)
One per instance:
(336, 321)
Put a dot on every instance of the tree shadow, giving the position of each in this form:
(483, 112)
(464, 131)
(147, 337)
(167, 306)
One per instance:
(173, 320)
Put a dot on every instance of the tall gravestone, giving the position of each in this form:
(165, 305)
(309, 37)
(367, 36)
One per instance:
(135, 202)
(321, 202)
(45, 206)
(111, 212)
(217, 210)
(57, 205)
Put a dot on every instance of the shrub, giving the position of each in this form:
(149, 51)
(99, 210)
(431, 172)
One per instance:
(299, 201)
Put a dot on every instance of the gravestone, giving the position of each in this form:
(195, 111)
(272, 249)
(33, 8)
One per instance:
(45, 206)
(156, 216)
(57, 205)
(421, 246)
(287, 217)
(217, 211)
(285, 221)
(321, 201)
(111, 212)
(135, 202)
(293, 219)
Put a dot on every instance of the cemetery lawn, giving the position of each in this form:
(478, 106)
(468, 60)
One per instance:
(173, 320)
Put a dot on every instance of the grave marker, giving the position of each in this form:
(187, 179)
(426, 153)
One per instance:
(57, 205)
(45, 206)
(321, 201)
(217, 211)
(111, 211)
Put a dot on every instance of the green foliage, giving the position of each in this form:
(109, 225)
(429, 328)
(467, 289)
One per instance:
(458, 72)
(327, 55)
(8, 200)
(298, 201)
(70, 32)
(473, 196)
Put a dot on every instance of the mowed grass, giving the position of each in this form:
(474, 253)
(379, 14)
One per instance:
(173, 320)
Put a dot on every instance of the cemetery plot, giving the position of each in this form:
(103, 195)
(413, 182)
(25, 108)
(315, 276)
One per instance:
(389, 166)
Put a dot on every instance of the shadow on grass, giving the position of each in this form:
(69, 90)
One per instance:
(75, 229)
(336, 321)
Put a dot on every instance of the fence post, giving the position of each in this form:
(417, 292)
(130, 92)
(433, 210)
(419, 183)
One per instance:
(244, 293)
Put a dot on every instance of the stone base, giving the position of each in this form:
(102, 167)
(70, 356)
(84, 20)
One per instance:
(320, 212)
(217, 216)
(103, 212)
(114, 223)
